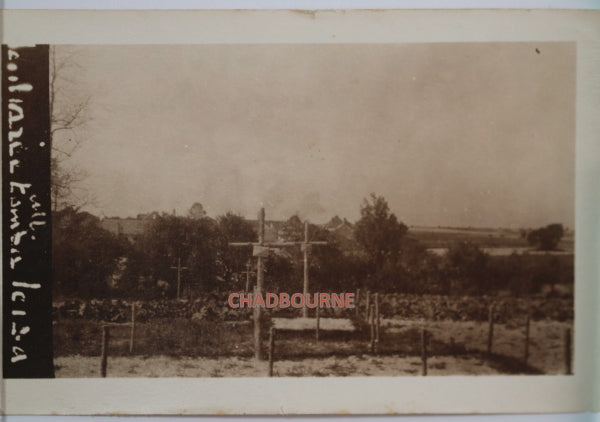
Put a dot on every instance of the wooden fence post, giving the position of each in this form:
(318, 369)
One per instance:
(376, 322)
(526, 354)
(368, 308)
(424, 350)
(568, 351)
(104, 351)
(258, 347)
(271, 350)
(132, 333)
(490, 329)
(318, 323)
(357, 302)
(370, 319)
(260, 279)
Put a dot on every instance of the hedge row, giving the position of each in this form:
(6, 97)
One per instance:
(404, 306)
(474, 308)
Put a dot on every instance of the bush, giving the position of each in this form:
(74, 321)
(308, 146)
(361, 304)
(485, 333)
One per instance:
(393, 305)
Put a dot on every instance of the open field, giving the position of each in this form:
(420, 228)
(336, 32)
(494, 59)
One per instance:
(507, 251)
(493, 240)
(433, 237)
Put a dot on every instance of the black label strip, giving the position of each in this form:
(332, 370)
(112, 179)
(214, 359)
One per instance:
(26, 213)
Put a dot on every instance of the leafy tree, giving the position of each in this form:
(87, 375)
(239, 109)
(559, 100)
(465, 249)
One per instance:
(285, 268)
(234, 228)
(421, 270)
(167, 239)
(293, 229)
(205, 263)
(136, 280)
(330, 268)
(84, 255)
(281, 274)
(196, 211)
(546, 238)
(466, 265)
(379, 234)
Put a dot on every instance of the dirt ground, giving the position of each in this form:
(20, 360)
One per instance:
(546, 354)
(546, 339)
(164, 366)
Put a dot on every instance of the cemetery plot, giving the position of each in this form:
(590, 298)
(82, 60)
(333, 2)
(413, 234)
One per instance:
(455, 348)
(416, 334)
(190, 346)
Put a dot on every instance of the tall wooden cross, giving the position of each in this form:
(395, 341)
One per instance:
(261, 250)
(258, 353)
(306, 246)
(179, 268)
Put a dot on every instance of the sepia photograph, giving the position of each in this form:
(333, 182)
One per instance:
(299, 212)
(312, 210)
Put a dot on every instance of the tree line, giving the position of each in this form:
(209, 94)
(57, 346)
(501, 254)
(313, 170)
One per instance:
(91, 262)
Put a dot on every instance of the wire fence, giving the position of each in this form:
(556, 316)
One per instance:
(515, 342)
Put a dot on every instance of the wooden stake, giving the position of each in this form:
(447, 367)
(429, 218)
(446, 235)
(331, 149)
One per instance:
(318, 323)
(271, 350)
(259, 288)
(568, 351)
(305, 256)
(377, 322)
(526, 353)
(424, 350)
(248, 266)
(371, 320)
(132, 333)
(490, 329)
(178, 278)
(368, 304)
(104, 351)
(357, 302)
(256, 314)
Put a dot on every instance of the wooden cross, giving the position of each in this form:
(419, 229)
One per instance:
(260, 275)
(306, 245)
(179, 268)
(261, 250)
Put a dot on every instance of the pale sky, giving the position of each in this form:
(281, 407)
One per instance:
(478, 134)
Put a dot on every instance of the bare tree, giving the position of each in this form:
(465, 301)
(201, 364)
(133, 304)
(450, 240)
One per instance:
(68, 114)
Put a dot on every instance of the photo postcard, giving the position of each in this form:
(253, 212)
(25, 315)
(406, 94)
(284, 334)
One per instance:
(318, 217)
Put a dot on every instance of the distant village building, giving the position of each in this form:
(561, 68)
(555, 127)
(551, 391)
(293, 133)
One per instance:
(131, 228)
(273, 230)
(342, 228)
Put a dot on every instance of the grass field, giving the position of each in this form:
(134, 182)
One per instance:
(441, 238)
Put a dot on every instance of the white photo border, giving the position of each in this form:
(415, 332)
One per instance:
(355, 395)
